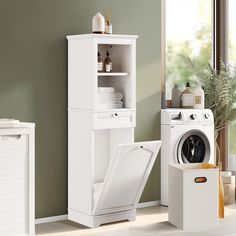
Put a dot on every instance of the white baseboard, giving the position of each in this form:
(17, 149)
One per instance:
(50, 219)
(65, 217)
(148, 204)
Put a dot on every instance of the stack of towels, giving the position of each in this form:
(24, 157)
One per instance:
(108, 98)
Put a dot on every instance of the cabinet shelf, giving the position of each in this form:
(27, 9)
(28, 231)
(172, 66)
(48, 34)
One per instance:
(112, 74)
(114, 109)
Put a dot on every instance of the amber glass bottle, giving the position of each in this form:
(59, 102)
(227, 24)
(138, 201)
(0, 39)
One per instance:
(100, 63)
(108, 63)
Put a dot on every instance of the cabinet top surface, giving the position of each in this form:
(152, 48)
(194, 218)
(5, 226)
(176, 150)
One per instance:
(17, 125)
(26, 124)
(99, 36)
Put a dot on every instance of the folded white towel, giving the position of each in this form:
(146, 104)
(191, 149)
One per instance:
(110, 106)
(110, 96)
(111, 103)
(106, 89)
(109, 99)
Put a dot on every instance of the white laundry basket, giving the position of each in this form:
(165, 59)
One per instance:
(193, 197)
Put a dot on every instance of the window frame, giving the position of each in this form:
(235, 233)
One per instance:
(220, 32)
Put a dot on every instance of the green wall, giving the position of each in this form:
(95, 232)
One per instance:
(33, 79)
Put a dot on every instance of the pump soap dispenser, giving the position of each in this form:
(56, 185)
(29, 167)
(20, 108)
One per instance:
(199, 97)
(187, 97)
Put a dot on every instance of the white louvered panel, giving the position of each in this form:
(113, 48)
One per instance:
(13, 185)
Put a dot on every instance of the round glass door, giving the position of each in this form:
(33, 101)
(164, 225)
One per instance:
(194, 147)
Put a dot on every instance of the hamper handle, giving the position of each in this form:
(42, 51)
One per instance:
(200, 180)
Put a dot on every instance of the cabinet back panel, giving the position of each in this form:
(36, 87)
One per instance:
(101, 154)
(119, 136)
(120, 56)
(105, 142)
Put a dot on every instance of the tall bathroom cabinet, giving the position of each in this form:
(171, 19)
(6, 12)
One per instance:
(107, 171)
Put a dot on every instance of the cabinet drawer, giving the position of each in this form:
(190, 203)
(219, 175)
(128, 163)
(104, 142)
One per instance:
(119, 119)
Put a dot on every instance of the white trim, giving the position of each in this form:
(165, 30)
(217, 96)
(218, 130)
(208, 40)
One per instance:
(149, 204)
(51, 219)
(65, 217)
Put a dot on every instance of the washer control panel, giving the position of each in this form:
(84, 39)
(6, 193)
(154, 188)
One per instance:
(186, 116)
(198, 116)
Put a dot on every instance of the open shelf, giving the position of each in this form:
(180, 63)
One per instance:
(112, 74)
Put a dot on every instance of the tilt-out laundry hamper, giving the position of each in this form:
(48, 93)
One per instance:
(193, 197)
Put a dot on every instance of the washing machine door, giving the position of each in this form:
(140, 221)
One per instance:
(193, 147)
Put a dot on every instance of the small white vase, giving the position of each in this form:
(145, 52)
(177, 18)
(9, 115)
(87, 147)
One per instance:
(176, 96)
(98, 24)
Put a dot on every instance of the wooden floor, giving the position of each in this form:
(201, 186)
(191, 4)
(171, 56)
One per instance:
(150, 222)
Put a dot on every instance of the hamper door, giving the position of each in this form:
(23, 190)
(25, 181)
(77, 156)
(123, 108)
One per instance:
(13, 185)
(126, 177)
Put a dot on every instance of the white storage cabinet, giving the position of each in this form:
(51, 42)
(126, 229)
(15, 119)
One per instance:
(193, 197)
(17, 180)
(107, 171)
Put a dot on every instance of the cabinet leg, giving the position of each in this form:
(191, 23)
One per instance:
(132, 218)
(95, 225)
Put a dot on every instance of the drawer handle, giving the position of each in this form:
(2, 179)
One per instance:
(200, 180)
(116, 114)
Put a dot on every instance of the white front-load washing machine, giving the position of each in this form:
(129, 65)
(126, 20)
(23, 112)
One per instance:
(187, 137)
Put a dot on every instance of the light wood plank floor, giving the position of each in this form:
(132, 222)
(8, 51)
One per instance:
(150, 221)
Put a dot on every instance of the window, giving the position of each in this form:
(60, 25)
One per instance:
(198, 28)
(189, 32)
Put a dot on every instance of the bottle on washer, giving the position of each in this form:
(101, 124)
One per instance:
(199, 97)
(176, 96)
(187, 97)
